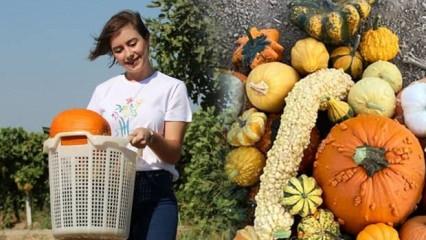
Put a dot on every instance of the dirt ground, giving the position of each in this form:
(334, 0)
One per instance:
(407, 18)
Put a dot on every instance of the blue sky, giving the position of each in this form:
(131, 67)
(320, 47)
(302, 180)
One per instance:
(43, 56)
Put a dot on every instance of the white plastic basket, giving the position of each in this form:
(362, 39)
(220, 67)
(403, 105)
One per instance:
(91, 187)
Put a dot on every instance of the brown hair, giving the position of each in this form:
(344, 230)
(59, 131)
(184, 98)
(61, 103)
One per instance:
(114, 24)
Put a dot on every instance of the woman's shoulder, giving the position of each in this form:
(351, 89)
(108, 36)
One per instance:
(168, 80)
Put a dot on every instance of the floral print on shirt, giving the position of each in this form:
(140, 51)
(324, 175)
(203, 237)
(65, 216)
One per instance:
(123, 114)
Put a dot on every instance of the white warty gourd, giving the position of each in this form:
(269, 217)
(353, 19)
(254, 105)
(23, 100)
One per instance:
(299, 117)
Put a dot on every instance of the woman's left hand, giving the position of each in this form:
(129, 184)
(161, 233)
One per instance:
(141, 137)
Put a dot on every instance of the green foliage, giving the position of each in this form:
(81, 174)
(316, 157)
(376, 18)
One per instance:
(183, 46)
(23, 168)
(208, 201)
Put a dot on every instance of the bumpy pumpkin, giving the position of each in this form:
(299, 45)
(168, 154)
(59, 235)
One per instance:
(320, 225)
(348, 59)
(371, 169)
(414, 228)
(378, 231)
(78, 120)
(386, 71)
(268, 84)
(372, 96)
(379, 43)
(333, 22)
(309, 55)
(302, 195)
(248, 128)
(244, 165)
(257, 47)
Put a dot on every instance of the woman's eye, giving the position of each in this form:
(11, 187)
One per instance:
(117, 50)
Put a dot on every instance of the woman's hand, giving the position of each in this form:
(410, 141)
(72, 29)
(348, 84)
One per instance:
(141, 137)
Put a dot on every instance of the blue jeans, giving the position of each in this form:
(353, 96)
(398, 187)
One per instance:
(155, 211)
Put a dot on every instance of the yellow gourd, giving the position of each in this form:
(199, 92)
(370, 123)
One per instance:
(379, 43)
(348, 59)
(244, 165)
(378, 231)
(309, 55)
(338, 110)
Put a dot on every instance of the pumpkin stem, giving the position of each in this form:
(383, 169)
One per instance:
(261, 87)
(355, 45)
(371, 158)
(377, 21)
(249, 34)
(241, 123)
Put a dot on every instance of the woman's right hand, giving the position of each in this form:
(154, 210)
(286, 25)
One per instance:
(141, 137)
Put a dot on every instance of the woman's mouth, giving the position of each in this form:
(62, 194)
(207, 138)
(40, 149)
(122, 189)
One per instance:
(133, 62)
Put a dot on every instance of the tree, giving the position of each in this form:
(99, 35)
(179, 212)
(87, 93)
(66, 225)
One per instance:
(182, 45)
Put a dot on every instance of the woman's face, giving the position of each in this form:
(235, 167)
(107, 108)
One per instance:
(130, 50)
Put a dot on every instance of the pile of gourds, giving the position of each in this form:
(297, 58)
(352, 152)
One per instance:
(365, 175)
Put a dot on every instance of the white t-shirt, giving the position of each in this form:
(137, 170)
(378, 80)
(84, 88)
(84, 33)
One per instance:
(127, 105)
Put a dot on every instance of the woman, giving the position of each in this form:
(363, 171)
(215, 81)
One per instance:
(152, 109)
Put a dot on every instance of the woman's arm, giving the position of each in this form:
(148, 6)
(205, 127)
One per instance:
(167, 148)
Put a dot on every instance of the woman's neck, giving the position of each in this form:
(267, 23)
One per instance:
(140, 76)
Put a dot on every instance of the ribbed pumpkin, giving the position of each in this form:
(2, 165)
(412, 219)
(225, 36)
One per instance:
(330, 21)
(244, 165)
(259, 46)
(379, 43)
(302, 195)
(248, 128)
(78, 119)
(348, 59)
(371, 169)
(386, 71)
(268, 84)
(378, 231)
(372, 96)
(414, 228)
(319, 226)
(411, 107)
(338, 110)
(309, 55)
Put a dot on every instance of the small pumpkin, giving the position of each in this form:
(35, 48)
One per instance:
(302, 195)
(386, 71)
(414, 228)
(333, 22)
(268, 84)
(248, 128)
(413, 107)
(372, 95)
(78, 119)
(259, 46)
(378, 231)
(338, 110)
(320, 225)
(247, 233)
(371, 169)
(348, 59)
(309, 55)
(379, 43)
(244, 165)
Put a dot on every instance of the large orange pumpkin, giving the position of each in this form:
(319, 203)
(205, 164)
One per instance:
(371, 169)
(78, 119)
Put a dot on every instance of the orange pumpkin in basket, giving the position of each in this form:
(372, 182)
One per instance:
(371, 169)
(78, 119)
